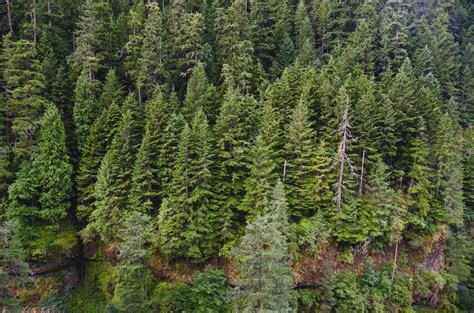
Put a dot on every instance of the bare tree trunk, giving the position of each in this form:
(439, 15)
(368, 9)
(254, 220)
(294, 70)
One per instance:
(361, 182)
(284, 170)
(9, 15)
(50, 23)
(395, 261)
(345, 130)
(139, 91)
(33, 16)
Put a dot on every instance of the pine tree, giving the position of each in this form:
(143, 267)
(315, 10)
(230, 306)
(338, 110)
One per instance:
(258, 184)
(449, 173)
(169, 151)
(101, 135)
(132, 273)
(264, 266)
(200, 94)
(24, 85)
(299, 156)
(145, 179)
(189, 43)
(112, 92)
(86, 107)
(86, 57)
(231, 144)
(42, 191)
(323, 178)
(284, 57)
(420, 186)
(151, 61)
(236, 47)
(190, 211)
(134, 46)
(114, 176)
(394, 28)
(262, 18)
(13, 267)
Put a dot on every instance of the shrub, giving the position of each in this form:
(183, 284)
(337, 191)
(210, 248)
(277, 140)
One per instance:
(171, 297)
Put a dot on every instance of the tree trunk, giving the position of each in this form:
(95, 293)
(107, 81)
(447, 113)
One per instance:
(9, 15)
(361, 182)
(395, 261)
(50, 23)
(33, 16)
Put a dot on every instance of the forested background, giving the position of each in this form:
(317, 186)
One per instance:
(237, 155)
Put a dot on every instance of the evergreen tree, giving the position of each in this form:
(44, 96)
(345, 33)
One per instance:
(189, 42)
(101, 135)
(262, 18)
(420, 186)
(112, 92)
(190, 214)
(24, 84)
(13, 267)
(299, 156)
(42, 191)
(258, 184)
(231, 144)
(394, 31)
(132, 273)
(264, 267)
(86, 57)
(114, 176)
(86, 107)
(200, 94)
(169, 151)
(322, 178)
(152, 58)
(145, 179)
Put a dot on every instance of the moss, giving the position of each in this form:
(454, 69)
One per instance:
(85, 298)
(103, 275)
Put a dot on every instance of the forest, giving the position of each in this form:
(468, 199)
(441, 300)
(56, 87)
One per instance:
(236, 156)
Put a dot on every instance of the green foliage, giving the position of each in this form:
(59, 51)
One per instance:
(171, 297)
(209, 291)
(264, 263)
(42, 190)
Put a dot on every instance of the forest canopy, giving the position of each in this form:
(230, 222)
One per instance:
(237, 156)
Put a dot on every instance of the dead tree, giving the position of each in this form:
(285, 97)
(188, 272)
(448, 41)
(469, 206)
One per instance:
(344, 130)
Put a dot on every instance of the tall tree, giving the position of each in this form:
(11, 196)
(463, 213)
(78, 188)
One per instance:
(132, 273)
(264, 262)
(24, 84)
(86, 107)
(42, 191)
(189, 43)
(299, 152)
(114, 176)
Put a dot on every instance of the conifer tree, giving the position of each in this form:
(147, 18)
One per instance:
(231, 144)
(299, 152)
(420, 186)
(112, 92)
(190, 210)
(86, 107)
(114, 176)
(394, 27)
(262, 17)
(258, 184)
(145, 179)
(133, 48)
(449, 171)
(200, 94)
(101, 135)
(86, 57)
(189, 43)
(322, 178)
(264, 265)
(132, 273)
(13, 267)
(169, 151)
(24, 84)
(42, 191)
(152, 58)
